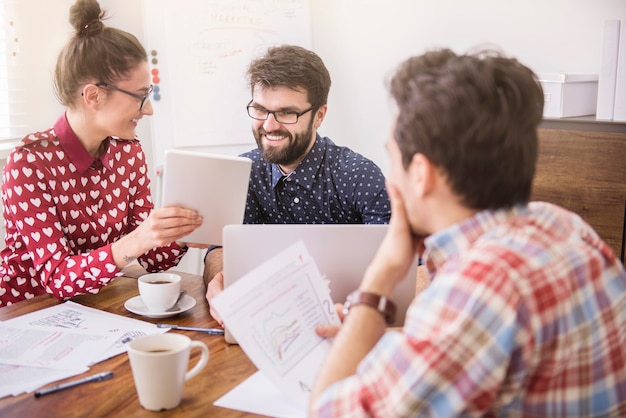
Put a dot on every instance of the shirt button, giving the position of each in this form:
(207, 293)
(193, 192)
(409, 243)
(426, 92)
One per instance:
(296, 200)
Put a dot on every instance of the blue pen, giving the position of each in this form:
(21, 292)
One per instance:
(212, 331)
(93, 378)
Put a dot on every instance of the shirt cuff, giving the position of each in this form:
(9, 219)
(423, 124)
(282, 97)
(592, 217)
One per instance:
(211, 248)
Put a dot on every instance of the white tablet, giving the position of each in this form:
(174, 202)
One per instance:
(215, 185)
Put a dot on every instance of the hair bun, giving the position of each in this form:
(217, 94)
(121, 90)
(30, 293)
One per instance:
(86, 17)
(91, 27)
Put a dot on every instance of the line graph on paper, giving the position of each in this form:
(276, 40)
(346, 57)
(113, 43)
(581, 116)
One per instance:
(286, 332)
(273, 311)
(283, 337)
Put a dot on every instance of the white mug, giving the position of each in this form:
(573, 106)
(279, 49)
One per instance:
(159, 291)
(159, 365)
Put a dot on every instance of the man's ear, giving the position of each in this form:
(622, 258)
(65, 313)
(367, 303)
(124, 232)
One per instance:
(319, 116)
(423, 173)
(92, 95)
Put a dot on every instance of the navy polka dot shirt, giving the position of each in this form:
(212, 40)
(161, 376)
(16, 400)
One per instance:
(332, 184)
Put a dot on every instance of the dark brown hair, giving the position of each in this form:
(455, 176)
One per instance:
(474, 116)
(293, 67)
(95, 53)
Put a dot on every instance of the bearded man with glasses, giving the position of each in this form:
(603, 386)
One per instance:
(298, 176)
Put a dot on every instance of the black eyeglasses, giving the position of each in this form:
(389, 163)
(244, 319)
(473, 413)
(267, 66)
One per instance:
(281, 116)
(140, 97)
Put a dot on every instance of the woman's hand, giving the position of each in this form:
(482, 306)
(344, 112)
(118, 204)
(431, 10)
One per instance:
(162, 227)
(166, 225)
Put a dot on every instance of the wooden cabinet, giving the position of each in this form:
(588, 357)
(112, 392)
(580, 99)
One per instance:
(582, 167)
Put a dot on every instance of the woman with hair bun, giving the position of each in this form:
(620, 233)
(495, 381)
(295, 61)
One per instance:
(76, 197)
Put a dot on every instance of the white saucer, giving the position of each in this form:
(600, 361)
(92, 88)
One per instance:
(136, 305)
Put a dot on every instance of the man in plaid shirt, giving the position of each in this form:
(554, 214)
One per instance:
(525, 315)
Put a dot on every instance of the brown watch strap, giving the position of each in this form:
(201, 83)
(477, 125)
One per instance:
(383, 305)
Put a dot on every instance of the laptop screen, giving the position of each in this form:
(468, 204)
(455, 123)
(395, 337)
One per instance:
(342, 253)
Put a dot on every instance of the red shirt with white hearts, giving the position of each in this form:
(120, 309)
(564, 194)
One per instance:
(63, 209)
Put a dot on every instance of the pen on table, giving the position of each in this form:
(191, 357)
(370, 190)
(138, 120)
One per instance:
(93, 378)
(212, 331)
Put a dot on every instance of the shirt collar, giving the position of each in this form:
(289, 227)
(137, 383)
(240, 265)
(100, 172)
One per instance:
(277, 175)
(310, 164)
(75, 151)
(456, 239)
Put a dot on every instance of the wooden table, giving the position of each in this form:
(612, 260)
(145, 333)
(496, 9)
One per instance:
(228, 365)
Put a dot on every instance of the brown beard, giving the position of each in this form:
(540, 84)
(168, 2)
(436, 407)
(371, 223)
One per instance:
(285, 156)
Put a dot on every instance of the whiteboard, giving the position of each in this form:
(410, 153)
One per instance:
(199, 50)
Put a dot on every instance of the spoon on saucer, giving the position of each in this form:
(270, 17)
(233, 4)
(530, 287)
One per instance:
(175, 307)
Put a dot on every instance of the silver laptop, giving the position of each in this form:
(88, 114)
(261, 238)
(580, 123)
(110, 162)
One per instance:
(342, 252)
(215, 185)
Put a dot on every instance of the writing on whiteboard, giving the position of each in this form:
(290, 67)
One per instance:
(204, 49)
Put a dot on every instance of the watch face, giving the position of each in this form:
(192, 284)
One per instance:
(347, 304)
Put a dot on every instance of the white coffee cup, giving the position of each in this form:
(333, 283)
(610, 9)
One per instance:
(159, 364)
(159, 291)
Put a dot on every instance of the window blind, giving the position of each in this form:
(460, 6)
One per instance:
(12, 105)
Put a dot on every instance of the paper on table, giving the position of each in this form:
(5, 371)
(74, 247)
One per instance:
(70, 317)
(258, 395)
(33, 357)
(273, 311)
(15, 380)
(73, 316)
(50, 348)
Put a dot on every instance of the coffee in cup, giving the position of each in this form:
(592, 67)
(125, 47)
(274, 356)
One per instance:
(159, 291)
(159, 365)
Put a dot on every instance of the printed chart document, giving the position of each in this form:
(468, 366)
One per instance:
(50, 348)
(33, 357)
(273, 311)
(72, 316)
(61, 341)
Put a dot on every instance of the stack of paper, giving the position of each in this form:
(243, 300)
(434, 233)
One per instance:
(59, 342)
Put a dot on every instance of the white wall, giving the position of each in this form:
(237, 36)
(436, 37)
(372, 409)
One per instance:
(38, 50)
(361, 42)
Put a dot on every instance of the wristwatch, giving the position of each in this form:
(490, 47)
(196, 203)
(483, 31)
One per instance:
(383, 305)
